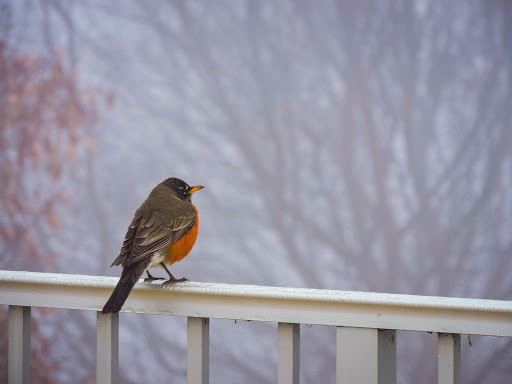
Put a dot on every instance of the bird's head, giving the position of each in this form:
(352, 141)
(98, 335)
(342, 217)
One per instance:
(181, 189)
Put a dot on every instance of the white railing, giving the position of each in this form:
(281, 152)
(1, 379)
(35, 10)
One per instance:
(366, 322)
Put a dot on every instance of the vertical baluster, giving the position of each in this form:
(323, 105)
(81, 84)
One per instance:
(387, 356)
(107, 348)
(288, 353)
(198, 346)
(365, 355)
(448, 358)
(19, 344)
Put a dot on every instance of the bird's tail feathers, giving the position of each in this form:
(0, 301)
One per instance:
(130, 275)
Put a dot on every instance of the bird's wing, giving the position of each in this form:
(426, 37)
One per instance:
(148, 235)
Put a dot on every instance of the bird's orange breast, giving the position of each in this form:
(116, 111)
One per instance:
(178, 250)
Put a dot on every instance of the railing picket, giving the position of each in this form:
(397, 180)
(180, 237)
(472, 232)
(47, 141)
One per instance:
(448, 358)
(198, 346)
(288, 353)
(387, 356)
(19, 344)
(107, 348)
(365, 355)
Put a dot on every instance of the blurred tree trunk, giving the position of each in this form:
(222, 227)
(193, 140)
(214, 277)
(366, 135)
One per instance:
(385, 131)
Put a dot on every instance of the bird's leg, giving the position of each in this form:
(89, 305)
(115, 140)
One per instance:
(172, 279)
(151, 278)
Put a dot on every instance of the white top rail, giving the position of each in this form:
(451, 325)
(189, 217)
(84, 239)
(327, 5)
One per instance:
(276, 304)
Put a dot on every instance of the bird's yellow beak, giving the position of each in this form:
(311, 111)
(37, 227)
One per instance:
(195, 188)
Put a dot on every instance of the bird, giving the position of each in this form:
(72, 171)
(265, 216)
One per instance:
(163, 231)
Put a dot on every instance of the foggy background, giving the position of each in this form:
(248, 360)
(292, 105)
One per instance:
(352, 145)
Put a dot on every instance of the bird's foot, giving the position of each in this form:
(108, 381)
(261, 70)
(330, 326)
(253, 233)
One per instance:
(151, 279)
(172, 281)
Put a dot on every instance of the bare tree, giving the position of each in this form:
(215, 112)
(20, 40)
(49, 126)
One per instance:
(346, 145)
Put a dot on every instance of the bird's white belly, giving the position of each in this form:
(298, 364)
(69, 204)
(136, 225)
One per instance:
(156, 259)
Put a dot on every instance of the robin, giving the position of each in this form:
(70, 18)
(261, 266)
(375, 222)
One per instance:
(162, 232)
